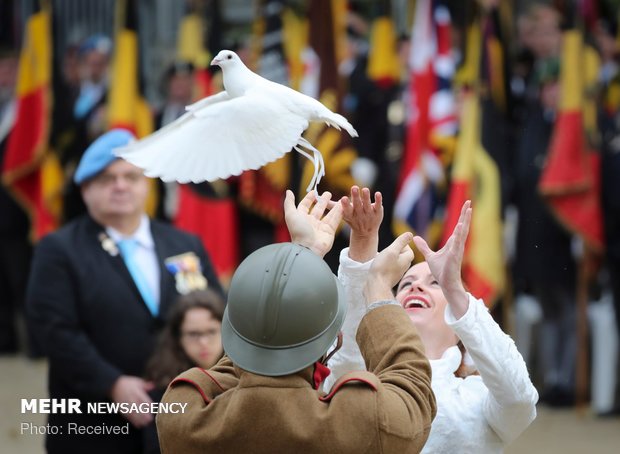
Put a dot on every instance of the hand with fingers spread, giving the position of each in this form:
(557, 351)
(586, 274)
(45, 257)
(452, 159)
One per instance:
(445, 264)
(388, 268)
(364, 217)
(308, 225)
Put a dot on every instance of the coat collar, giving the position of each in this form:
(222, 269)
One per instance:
(142, 235)
(301, 379)
(447, 364)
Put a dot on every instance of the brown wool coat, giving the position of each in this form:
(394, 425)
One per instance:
(234, 411)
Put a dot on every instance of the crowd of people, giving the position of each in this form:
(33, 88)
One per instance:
(121, 303)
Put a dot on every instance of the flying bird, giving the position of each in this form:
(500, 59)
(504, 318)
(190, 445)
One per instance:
(252, 122)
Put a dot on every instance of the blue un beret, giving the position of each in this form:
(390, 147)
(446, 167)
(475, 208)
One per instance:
(99, 154)
(97, 42)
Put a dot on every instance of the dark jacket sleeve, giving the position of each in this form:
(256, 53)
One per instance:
(393, 351)
(52, 312)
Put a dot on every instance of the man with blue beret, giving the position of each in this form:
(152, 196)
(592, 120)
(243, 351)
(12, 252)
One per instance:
(98, 295)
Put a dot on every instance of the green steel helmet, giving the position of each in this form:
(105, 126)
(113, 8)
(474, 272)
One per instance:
(285, 309)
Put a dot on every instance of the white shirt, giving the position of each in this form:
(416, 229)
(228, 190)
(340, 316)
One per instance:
(145, 254)
(478, 414)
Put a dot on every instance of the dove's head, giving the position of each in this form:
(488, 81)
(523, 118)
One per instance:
(225, 59)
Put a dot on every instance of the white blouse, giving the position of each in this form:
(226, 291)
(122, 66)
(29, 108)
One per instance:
(478, 414)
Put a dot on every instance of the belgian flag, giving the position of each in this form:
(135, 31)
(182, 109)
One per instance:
(127, 108)
(475, 176)
(30, 170)
(570, 180)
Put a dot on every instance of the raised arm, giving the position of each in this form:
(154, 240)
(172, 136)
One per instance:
(445, 264)
(393, 350)
(308, 224)
(364, 218)
(510, 405)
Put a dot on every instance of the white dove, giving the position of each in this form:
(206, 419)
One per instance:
(253, 122)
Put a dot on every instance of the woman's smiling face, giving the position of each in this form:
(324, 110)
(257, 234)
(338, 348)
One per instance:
(421, 296)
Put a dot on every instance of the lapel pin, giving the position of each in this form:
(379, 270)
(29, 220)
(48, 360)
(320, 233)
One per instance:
(108, 245)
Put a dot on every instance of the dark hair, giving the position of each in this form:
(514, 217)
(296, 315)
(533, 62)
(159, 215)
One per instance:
(169, 359)
(464, 370)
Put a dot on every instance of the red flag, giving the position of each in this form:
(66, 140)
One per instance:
(570, 179)
(215, 222)
(31, 172)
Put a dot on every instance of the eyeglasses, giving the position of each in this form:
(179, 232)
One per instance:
(197, 336)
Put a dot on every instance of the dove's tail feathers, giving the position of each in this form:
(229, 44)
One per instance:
(338, 121)
(316, 159)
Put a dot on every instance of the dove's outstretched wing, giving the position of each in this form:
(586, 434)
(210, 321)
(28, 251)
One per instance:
(218, 139)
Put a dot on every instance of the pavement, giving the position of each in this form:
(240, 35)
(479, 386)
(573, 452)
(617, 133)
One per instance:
(563, 431)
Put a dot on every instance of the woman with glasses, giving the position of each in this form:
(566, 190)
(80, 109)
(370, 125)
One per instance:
(191, 338)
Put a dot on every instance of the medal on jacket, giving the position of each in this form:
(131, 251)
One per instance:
(108, 245)
(187, 272)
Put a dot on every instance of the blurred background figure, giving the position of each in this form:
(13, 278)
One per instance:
(88, 110)
(15, 246)
(94, 60)
(178, 90)
(605, 392)
(178, 87)
(544, 264)
(191, 338)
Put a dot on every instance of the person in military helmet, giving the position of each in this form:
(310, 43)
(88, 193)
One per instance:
(285, 311)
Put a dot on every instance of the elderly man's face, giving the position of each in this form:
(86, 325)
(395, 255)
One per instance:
(119, 191)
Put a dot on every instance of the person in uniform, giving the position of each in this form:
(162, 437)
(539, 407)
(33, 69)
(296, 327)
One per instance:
(285, 310)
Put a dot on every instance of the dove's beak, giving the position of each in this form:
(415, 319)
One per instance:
(215, 61)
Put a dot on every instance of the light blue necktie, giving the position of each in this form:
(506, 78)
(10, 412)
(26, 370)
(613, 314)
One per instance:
(128, 249)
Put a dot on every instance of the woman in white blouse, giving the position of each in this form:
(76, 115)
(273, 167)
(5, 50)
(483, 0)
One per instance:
(495, 401)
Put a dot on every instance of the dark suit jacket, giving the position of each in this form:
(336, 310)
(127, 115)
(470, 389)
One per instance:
(93, 323)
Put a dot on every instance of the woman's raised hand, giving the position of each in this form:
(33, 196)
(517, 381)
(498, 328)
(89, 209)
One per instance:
(364, 217)
(388, 268)
(306, 223)
(445, 264)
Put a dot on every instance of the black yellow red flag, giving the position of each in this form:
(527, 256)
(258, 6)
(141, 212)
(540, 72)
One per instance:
(29, 169)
